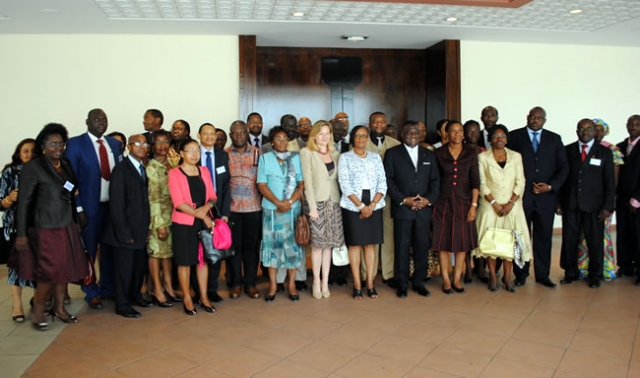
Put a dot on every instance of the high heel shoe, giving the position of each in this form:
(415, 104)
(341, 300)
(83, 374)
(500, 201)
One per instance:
(189, 312)
(175, 299)
(372, 293)
(269, 298)
(447, 291)
(71, 319)
(357, 294)
(508, 288)
(457, 289)
(317, 294)
(162, 304)
(326, 294)
(294, 297)
(40, 326)
(208, 309)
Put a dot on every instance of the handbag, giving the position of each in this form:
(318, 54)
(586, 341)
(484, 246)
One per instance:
(499, 242)
(222, 235)
(340, 255)
(302, 231)
(217, 242)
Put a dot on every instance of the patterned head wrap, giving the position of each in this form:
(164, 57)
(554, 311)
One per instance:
(598, 121)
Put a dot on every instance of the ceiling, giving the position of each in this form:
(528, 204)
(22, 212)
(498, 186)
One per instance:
(387, 24)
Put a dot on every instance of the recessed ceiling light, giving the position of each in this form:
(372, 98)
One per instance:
(297, 14)
(48, 10)
(575, 11)
(451, 19)
(355, 38)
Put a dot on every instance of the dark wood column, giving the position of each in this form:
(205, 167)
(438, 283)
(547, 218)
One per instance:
(442, 82)
(248, 78)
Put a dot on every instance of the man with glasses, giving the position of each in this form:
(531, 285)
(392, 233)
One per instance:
(303, 130)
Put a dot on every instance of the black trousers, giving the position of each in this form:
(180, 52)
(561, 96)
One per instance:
(130, 266)
(246, 230)
(540, 222)
(411, 233)
(628, 237)
(573, 223)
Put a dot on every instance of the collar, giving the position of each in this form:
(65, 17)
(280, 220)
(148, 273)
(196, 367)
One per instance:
(411, 149)
(374, 139)
(135, 163)
(94, 139)
(531, 132)
(589, 145)
(204, 150)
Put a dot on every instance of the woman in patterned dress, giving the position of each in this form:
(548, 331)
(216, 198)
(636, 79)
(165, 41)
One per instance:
(159, 245)
(280, 183)
(320, 170)
(9, 196)
(609, 262)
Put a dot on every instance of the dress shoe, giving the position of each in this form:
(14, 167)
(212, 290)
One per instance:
(594, 283)
(162, 304)
(269, 298)
(189, 312)
(467, 279)
(372, 293)
(95, 303)
(624, 273)
(391, 282)
(128, 312)
(520, 281)
(215, 297)
(507, 286)
(459, 290)
(41, 326)
(175, 299)
(357, 294)
(447, 291)
(401, 292)
(546, 282)
(331, 281)
(566, 280)
(301, 286)
(280, 288)
(294, 297)
(141, 302)
(326, 293)
(341, 281)
(252, 292)
(69, 319)
(209, 309)
(421, 290)
(235, 292)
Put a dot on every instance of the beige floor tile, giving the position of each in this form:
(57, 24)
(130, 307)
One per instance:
(420, 372)
(14, 366)
(491, 325)
(476, 342)
(288, 369)
(355, 337)
(544, 334)
(453, 319)
(424, 331)
(310, 327)
(277, 343)
(121, 353)
(161, 364)
(240, 361)
(368, 365)
(506, 368)
(604, 345)
(559, 320)
(401, 349)
(594, 365)
(455, 361)
(200, 372)
(78, 367)
(323, 356)
(532, 353)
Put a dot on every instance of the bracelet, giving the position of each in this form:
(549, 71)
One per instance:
(512, 201)
(361, 206)
(492, 201)
(474, 204)
(290, 202)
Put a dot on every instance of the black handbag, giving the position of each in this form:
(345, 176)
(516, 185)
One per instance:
(209, 252)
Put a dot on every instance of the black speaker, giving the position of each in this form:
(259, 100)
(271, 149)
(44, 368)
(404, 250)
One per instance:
(345, 71)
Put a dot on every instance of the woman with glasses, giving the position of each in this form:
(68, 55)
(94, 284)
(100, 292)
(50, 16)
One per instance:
(180, 133)
(502, 184)
(48, 239)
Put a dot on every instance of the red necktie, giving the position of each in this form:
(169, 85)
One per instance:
(105, 172)
(584, 152)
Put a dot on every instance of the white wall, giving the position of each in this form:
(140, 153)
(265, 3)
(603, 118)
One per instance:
(59, 78)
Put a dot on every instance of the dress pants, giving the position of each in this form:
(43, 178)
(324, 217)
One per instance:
(573, 222)
(129, 275)
(627, 240)
(386, 248)
(245, 230)
(411, 233)
(540, 222)
(91, 236)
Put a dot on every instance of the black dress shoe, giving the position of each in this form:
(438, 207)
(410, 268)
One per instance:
(624, 273)
(301, 286)
(341, 281)
(447, 291)
(141, 302)
(391, 282)
(269, 298)
(520, 281)
(594, 283)
(280, 288)
(421, 290)
(189, 312)
(402, 292)
(566, 280)
(162, 304)
(294, 297)
(128, 312)
(459, 290)
(215, 297)
(175, 299)
(208, 309)
(546, 282)
(95, 303)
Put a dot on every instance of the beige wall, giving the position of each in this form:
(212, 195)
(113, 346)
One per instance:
(58, 78)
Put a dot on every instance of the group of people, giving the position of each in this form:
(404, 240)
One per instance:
(385, 196)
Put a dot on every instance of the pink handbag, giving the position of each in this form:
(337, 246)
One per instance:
(221, 235)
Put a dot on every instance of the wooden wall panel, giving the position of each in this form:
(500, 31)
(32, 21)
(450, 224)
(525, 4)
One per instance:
(247, 74)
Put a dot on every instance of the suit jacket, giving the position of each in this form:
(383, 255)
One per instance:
(405, 180)
(388, 143)
(129, 213)
(44, 200)
(549, 165)
(223, 190)
(180, 193)
(318, 184)
(458, 177)
(85, 163)
(501, 183)
(590, 185)
(629, 176)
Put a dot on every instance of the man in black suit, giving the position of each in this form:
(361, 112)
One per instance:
(152, 122)
(627, 220)
(217, 162)
(489, 118)
(128, 227)
(545, 169)
(256, 138)
(413, 183)
(586, 200)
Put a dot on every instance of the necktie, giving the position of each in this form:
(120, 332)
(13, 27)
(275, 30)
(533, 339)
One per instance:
(629, 148)
(210, 168)
(534, 142)
(379, 142)
(105, 172)
(257, 142)
(584, 152)
(142, 173)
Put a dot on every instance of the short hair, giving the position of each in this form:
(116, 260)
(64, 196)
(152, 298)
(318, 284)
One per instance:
(288, 116)
(118, 134)
(206, 124)
(184, 145)
(500, 127)
(222, 131)
(48, 130)
(157, 114)
(469, 123)
(154, 136)
(315, 130)
(15, 158)
(375, 114)
(274, 130)
(238, 122)
(186, 126)
(352, 134)
(440, 123)
(253, 114)
(451, 122)
(409, 123)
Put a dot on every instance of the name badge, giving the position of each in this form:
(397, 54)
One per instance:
(69, 186)
(595, 161)
(220, 170)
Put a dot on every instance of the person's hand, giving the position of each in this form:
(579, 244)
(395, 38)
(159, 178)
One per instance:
(208, 221)
(471, 215)
(21, 243)
(162, 233)
(497, 208)
(13, 196)
(225, 218)
(541, 187)
(313, 214)
(283, 206)
(365, 212)
(202, 211)
(604, 214)
(130, 241)
(506, 208)
(82, 219)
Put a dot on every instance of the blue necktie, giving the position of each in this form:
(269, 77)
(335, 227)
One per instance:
(534, 142)
(142, 173)
(210, 168)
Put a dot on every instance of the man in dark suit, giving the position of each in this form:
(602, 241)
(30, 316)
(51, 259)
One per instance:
(93, 156)
(586, 200)
(489, 118)
(256, 138)
(128, 227)
(627, 220)
(152, 122)
(413, 183)
(545, 169)
(217, 162)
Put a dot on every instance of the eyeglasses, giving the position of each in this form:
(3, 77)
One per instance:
(55, 144)
(361, 136)
(281, 139)
(304, 125)
(140, 144)
(342, 119)
(498, 136)
(161, 142)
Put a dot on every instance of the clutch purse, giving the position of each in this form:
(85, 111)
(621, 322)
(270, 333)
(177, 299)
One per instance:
(340, 256)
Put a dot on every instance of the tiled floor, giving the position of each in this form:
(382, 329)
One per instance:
(571, 331)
